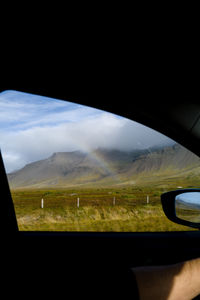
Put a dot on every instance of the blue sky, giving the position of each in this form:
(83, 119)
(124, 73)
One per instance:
(190, 197)
(20, 111)
(33, 127)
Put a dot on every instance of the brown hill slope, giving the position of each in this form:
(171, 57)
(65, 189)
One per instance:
(105, 167)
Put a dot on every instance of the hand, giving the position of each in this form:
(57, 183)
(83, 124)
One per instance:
(173, 282)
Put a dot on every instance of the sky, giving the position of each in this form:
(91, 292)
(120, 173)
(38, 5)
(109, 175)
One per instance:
(33, 127)
(190, 197)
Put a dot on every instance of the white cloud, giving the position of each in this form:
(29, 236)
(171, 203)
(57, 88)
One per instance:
(30, 132)
(12, 161)
(40, 142)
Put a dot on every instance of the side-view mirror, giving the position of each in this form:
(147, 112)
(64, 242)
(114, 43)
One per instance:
(182, 206)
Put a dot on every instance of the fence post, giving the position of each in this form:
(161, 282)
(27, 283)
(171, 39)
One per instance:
(78, 202)
(42, 203)
(147, 199)
(114, 201)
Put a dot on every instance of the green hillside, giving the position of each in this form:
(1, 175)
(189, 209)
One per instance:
(107, 190)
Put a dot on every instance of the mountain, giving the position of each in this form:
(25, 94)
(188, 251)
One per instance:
(104, 167)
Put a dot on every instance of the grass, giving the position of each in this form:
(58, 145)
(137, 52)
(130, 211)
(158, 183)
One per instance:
(96, 212)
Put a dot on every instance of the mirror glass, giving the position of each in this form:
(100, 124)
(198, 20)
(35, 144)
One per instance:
(187, 206)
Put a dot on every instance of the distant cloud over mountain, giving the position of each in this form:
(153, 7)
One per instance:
(33, 127)
(106, 168)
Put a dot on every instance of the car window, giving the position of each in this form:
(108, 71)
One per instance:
(75, 168)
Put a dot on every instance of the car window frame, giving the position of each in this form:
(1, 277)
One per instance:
(12, 221)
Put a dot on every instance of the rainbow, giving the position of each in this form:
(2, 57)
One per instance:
(100, 160)
(105, 165)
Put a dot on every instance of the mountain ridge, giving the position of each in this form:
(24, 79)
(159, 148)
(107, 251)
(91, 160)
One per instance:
(102, 166)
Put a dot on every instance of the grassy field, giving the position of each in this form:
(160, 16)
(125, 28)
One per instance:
(121, 209)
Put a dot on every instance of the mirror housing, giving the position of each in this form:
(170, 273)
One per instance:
(182, 206)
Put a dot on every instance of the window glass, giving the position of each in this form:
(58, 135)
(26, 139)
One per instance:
(75, 168)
